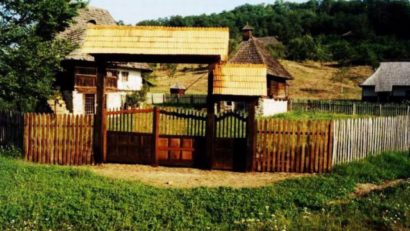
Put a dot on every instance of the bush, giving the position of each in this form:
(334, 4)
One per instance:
(137, 97)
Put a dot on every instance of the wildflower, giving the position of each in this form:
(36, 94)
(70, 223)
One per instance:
(267, 207)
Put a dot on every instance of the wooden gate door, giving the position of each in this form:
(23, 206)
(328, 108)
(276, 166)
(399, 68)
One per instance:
(182, 139)
(230, 142)
(130, 136)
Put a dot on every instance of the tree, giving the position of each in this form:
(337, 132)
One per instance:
(172, 69)
(30, 52)
(135, 99)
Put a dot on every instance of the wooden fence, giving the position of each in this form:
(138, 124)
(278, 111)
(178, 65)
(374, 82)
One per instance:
(11, 129)
(294, 146)
(168, 99)
(350, 107)
(62, 139)
(356, 139)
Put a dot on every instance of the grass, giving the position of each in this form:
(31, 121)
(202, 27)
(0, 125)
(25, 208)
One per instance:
(312, 80)
(37, 197)
(298, 115)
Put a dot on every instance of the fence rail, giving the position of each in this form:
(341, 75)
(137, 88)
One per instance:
(154, 98)
(62, 139)
(350, 107)
(356, 139)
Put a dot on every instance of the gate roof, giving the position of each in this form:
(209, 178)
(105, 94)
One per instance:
(173, 42)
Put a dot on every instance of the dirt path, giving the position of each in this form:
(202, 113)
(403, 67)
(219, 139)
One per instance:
(190, 178)
(362, 190)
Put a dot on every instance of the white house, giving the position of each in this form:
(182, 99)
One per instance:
(78, 83)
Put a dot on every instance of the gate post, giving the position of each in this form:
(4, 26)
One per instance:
(155, 138)
(100, 121)
(251, 136)
(210, 121)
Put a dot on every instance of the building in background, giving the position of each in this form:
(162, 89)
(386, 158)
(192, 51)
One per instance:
(78, 83)
(177, 89)
(390, 83)
(253, 50)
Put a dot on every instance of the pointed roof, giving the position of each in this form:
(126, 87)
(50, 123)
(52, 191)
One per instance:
(254, 51)
(247, 27)
(389, 74)
(178, 86)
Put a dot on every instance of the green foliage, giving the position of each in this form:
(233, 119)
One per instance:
(172, 69)
(378, 29)
(30, 53)
(277, 50)
(137, 97)
(37, 197)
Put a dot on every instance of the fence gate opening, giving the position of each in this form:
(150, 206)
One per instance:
(230, 142)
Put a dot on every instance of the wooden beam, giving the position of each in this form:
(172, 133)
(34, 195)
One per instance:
(100, 121)
(155, 138)
(251, 136)
(210, 121)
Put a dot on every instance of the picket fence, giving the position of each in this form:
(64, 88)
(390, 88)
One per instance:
(62, 139)
(11, 129)
(294, 146)
(356, 139)
(349, 107)
(282, 145)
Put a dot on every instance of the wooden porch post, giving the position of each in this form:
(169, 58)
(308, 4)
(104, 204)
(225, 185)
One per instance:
(210, 121)
(100, 121)
(251, 136)
(155, 138)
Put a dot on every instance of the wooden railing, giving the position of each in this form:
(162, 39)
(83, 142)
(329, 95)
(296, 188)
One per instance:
(85, 81)
(112, 82)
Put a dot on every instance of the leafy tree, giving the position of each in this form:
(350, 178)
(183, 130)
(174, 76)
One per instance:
(172, 69)
(277, 50)
(30, 52)
(135, 99)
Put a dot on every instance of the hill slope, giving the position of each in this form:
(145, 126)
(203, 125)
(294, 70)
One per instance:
(312, 80)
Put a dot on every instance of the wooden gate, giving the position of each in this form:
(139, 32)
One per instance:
(230, 142)
(130, 136)
(171, 137)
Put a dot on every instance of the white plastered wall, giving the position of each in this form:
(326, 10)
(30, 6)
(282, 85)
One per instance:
(270, 107)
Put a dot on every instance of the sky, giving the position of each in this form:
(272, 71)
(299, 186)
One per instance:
(133, 11)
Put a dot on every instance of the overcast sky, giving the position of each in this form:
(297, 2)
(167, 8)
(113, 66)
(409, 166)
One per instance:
(133, 11)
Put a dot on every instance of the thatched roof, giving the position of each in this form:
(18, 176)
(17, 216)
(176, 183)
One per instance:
(143, 40)
(389, 74)
(240, 80)
(76, 33)
(254, 51)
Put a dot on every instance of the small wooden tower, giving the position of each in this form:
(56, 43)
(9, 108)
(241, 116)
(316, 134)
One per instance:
(178, 89)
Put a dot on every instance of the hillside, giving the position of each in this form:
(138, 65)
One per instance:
(312, 80)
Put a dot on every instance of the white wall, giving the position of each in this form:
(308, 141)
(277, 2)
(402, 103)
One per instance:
(115, 100)
(134, 80)
(270, 107)
(78, 103)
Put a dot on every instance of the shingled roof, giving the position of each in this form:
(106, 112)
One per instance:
(76, 33)
(268, 40)
(254, 51)
(389, 74)
(146, 40)
(240, 80)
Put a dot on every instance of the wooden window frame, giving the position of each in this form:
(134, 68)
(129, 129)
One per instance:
(87, 108)
(125, 76)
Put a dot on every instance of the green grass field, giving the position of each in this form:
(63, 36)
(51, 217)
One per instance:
(36, 197)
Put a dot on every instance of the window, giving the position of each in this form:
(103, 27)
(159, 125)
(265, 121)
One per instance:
(86, 71)
(89, 104)
(125, 76)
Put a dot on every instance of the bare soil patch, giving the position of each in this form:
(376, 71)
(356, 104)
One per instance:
(190, 178)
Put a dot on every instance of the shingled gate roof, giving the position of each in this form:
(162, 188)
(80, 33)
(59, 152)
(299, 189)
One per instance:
(254, 51)
(144, 40)
(389, 74)
(178, 86)
(268, 40)
(240, 80)
(76, 33)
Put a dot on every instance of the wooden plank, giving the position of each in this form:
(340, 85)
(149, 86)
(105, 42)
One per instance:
(269, 146)
(155, 138)
(293, 148)
(298, 147)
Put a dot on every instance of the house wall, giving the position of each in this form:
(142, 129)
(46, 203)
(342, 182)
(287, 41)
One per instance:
(78, 103)
(116, 100)
(369, 92)
(134, 83)
(270, 107)
(400, 91)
